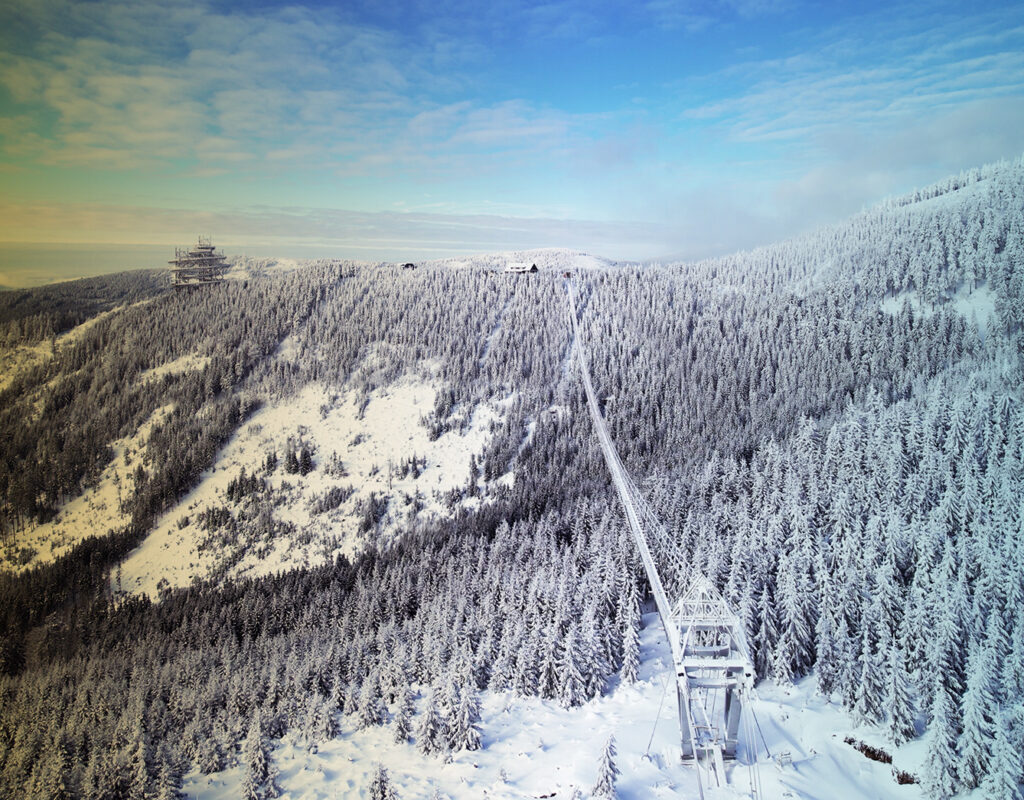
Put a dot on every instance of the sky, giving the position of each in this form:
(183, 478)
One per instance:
(415, 129)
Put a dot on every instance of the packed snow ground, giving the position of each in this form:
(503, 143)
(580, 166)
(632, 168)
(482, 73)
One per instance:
(370, 436)
(534, 748)
(243, 267)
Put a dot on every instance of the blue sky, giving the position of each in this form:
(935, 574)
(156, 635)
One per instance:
(413, 129)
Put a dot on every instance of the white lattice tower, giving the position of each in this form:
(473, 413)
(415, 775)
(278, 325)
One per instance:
(715, 668)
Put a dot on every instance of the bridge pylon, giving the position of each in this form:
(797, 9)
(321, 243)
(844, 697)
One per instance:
(713, 671)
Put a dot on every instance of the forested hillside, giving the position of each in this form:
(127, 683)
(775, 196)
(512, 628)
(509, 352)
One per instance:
(831, 429)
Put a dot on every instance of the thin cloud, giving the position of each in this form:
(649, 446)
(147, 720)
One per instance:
(857, 80)
(696, 16)
(268, 83)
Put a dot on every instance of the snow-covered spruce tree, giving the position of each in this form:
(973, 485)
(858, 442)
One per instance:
(371, 704)
(305, 461)
(607, 773)
(900, 728)
(380, 785)
(978, 710)
(767, 633)
(403, 715)
(870, 692)
(467, 721)
(796, 598)
(847, 666)
(321, 724)
(448, 706)
(431, 735)
(350, 696)
(1003, 781)
(260, 780)
(782, 660)
(525, 676)
(291, 461)
(631, 644)
(572, 691)
(594, 664)
(547, 673)
(940, 775)
(140, 757)
(168, 782)
(826, 669)
(503, 666)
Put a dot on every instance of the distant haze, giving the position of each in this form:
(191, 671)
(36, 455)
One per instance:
(26, 265)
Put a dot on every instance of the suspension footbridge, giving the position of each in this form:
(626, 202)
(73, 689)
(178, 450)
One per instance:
(713, 672)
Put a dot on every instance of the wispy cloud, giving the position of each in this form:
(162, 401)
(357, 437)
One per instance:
(213, 92)
(865, 77)
(696, 16)
(124, 91)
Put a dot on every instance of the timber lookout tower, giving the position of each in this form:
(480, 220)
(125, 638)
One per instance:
(197, 265)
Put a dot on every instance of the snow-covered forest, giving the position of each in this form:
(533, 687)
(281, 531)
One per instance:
(830, 428)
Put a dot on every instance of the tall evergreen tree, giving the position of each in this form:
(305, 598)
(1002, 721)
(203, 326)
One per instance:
(901, 711)
(403, 716)
(978, 711)
(1003, 781)
(826, 667)
(870, 693)
(380, 785)
(607, 773)
(260, 780)
(631, 644)
(431, 735)
(371, 704)
(940, 778)
(468, 721)
(572, 691)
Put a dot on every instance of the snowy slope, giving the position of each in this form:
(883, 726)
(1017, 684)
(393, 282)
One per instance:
(533, 748)
(977, 306)
(366, 434)
(21, 358)
(95, 512)
(17, 359)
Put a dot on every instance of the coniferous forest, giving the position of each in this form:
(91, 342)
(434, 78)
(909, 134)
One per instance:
(830, 428)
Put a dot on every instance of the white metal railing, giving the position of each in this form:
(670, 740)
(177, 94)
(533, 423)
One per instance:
(624, 486)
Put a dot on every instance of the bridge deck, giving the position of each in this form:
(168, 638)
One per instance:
(711, 658)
